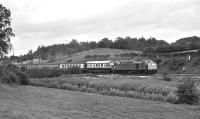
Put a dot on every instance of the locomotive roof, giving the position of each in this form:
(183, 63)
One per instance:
(98, 62)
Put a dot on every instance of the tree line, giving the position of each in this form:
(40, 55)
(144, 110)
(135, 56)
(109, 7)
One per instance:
(149, 45)
(74, 46)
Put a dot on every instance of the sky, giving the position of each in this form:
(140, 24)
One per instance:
(46, 22)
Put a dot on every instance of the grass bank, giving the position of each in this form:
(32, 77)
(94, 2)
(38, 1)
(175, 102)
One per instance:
(147, 88)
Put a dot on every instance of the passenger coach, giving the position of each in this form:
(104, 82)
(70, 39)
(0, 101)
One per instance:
(70, 65)
(99, 66)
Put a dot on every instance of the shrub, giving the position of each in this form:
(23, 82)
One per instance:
(74, 70)
(43, 73)
(10, 77)
(172, 98)
(24, 80)
(187, 91)
(55, 72)
(12, 74)
(166, 77)
(68, 86)
(91, 90)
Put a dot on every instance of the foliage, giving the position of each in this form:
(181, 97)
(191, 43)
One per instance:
(115, 89)
(5, 30)
(166, 77)
(11, 74)
(74, 46)
(43, 73)
(187, 91)
(73, 70)
(172, 98)
(176, 63)
(55, 72)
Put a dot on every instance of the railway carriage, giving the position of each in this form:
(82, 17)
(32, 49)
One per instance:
(99, 66)
(70, 65)
(40, 66)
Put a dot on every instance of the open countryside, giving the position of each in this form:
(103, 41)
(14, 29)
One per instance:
(97, 59)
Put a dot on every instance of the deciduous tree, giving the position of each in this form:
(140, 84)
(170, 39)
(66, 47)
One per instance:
(5, 30)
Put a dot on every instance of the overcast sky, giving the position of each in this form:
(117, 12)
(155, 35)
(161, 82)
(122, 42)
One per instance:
(45, 22)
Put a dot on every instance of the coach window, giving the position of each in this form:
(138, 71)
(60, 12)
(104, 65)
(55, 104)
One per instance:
(137, 66)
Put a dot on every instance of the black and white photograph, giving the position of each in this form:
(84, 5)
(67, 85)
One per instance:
(99, 59)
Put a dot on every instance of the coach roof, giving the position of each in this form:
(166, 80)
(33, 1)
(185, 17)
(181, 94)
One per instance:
(98, 62)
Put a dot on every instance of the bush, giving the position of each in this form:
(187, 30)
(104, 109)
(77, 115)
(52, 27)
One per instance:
(10, 78)
(11, 74)
(187, 91)
(43, 73)
(55, 72)
(166, 77)
(24, 80)
(172, 98)
(74, 70)
(67, 86)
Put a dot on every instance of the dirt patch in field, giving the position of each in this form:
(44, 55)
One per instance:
(29, 102)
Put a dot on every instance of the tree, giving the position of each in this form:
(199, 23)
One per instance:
(92, 44)
(5, 30)
(120, 43)
(74, 44)
(105, 43)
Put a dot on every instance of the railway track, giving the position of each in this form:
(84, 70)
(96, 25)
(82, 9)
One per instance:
(179, 74)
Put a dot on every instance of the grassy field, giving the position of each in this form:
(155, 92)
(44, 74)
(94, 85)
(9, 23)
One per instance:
(140, 87)
(80, 56)
(29, 102)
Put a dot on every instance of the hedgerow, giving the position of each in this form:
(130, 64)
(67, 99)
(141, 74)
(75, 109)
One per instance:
(55, 72)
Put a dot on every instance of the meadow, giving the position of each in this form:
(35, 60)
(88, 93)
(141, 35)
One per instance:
(140, 87)
(104, 97)
(30, 102)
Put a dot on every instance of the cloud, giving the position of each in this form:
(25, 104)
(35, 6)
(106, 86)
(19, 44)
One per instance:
(62, 20)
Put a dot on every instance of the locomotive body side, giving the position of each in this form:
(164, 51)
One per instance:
(127, 66)
(134, 67)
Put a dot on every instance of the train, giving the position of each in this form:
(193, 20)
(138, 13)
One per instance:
(130, 66)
